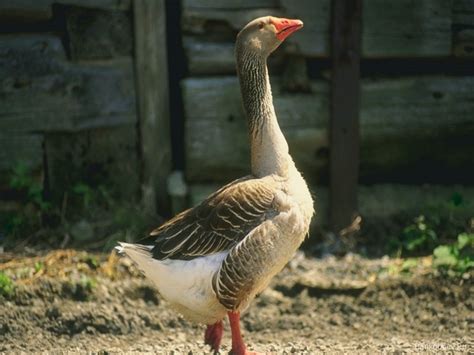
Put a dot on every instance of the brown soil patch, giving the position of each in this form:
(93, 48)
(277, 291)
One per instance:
(74, 301)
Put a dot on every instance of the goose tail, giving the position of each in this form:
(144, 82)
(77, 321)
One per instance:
(139, 253)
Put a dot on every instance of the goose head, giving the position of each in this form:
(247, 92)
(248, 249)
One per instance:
(263, 35)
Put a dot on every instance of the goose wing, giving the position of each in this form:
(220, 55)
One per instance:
(218, 223)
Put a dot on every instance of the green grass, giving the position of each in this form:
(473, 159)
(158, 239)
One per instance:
(457, 257)
(418, 235)
(7, 287)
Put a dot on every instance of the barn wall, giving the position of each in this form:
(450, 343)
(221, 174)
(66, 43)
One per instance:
(68, 101)
(416, 116)
(67, 93)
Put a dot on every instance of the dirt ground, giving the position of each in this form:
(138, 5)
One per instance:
(74, 301)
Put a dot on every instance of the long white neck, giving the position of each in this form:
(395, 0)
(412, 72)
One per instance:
(268, 146)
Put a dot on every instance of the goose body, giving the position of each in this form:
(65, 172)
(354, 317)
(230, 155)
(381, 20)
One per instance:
(213, 259)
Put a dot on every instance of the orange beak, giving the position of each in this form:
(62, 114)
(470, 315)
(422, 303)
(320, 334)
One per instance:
(285, 27)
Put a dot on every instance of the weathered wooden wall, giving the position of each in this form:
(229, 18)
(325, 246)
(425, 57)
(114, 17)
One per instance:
(153, 102)
(394, 29)
(407, 123)
(67, 93)
(414, 128)
(68, 102)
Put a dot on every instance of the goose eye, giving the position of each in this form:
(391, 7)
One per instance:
(261, 25)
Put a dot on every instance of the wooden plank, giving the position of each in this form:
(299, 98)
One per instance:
(412, 129)
(221, 23)
(407, 28)
(463, 13)
(344, 113)
(21, 149)
(101, 156)
(97, 4)
(463, 27)
(403, 28)
(313, 40)
(153, 102)
(42, 91)
(229, 4)
(464, 43)
(98, 34)
(215, 57)
(24, 11)
(219, 98)
(214, 114)
(417, 129)
(209, 57)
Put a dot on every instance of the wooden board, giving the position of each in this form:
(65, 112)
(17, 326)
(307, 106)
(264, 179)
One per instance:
(97, 4)
(209, 57)
(418, 129)
(463, 13)
(313, 39)
(411, 129)
(463, 27)
(153, 102)
(344, 112)
(221, 23)
(229, 4)
(24, 11)
(216, 134)
(42, 91)
(20, 149)
(464, 44)
(98, 34)
(214, 118)
(404, 28)
(102, 156)
(214, 57)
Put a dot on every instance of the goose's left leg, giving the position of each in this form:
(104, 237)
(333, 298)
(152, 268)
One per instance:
(213, 335)
(238, 345)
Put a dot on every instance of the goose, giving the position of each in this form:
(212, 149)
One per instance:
(212, 260)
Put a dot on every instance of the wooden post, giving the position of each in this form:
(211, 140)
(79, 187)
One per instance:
(344, 113)
(151, 69)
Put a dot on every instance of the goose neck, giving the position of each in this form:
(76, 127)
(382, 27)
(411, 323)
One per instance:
(269, 149)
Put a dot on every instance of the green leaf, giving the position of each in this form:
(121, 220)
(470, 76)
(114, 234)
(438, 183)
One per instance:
(6, 285)
(465, 239)
(445, 255)
(465, 264)
(418, 235)
(413, 243)
(409, 264)
(39, 266)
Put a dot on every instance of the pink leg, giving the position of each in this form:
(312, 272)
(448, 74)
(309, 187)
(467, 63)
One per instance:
(238, 345)
(213, 335)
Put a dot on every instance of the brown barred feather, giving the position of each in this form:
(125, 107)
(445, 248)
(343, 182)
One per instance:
(218, 223)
